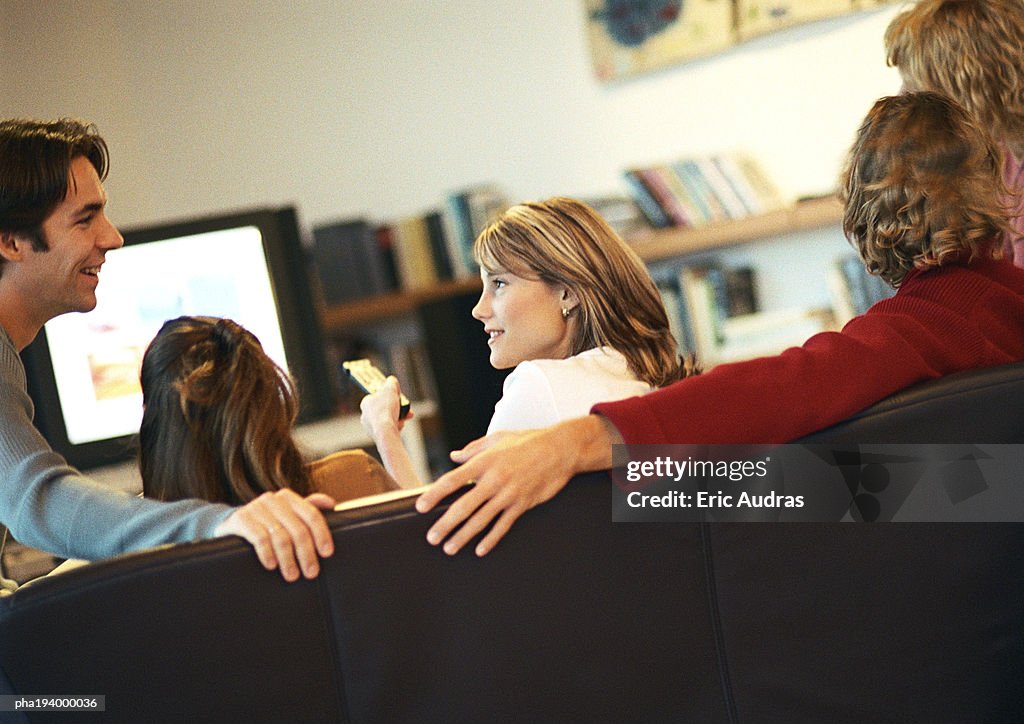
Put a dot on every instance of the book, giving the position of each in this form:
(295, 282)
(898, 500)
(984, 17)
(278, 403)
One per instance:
(413, 256)
(735, 290)
(457, 219)
(700, 309)
(438, 245)
(657, 184)
(699, 189)
(465, 215)
(645, 200)
(459, 255)
(740, 185)
(688, 208)
(724, 318)
(346, 261)
(678, 319)
(621, 213)
(853, 289)
(767, 333)
(485, 203)
(767, 193)
(722, 190)
(384, 241)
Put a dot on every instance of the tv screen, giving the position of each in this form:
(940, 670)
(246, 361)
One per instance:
(83, 369)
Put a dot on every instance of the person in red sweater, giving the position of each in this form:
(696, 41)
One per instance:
(921, 188)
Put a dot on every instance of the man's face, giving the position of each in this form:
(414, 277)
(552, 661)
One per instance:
(79, 234)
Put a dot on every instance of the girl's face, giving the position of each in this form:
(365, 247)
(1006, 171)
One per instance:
(523, 318)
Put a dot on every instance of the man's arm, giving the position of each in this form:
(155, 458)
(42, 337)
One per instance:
(513, 472)
(51, 506)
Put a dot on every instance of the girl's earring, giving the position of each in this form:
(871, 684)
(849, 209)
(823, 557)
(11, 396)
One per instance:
(565, 313)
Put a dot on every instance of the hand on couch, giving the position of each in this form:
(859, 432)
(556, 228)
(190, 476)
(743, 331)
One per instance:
(513, 472)
(288, 531)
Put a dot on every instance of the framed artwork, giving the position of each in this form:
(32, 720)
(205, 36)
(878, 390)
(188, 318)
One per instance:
(757, 17)
(635, 36)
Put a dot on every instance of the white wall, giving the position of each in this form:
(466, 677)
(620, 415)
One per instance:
(382, 107)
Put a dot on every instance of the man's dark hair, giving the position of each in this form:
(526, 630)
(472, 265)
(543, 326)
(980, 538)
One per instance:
(35, 160)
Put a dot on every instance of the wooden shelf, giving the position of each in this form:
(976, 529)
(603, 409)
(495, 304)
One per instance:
(662, 244)
(655, 245)
(352, 314)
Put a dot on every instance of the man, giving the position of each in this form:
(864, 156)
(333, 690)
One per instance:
(54, 236)
(922, 191)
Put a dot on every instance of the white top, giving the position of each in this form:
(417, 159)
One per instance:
(542, 392)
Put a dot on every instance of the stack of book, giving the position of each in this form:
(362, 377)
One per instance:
(853, 290)
(697, 191)
(714, 313)
(466, 214)
(621, 212)
(354, 259)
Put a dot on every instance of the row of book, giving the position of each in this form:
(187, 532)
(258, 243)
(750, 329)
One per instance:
(714, 313)
(853, 289)
(407, 359)
(356, 258)
(696, 191)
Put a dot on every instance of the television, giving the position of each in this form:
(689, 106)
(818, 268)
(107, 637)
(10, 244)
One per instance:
(250, 266)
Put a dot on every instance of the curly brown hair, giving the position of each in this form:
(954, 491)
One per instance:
(921, 187)
(218, 416)
(970, 50)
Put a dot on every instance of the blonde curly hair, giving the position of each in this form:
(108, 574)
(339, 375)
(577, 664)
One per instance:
(970, 50)
(921, 187)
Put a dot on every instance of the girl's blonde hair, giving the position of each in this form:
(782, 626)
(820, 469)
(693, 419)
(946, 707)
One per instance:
(566, 243)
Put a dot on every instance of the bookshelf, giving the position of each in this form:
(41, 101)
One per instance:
(441, 312)
(652, 246)
(341, 317)
(662, 244)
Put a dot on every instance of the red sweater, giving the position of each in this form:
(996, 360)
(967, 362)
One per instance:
(940, 321)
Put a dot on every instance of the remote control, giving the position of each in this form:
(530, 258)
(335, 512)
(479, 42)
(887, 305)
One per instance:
(370, 379)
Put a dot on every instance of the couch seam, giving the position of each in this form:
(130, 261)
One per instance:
(340, 693)
(714, 614)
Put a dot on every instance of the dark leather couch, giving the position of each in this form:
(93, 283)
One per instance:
(571, 618)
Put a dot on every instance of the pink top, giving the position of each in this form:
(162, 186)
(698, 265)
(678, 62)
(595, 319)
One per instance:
(1013, 177)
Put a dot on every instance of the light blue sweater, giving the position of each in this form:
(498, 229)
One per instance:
(51, 506)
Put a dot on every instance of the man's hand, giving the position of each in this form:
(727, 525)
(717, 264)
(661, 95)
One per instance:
(513, 472)
(288, 532)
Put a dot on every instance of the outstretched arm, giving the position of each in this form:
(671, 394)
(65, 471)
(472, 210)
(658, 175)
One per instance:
(513, 472)
(380, 412)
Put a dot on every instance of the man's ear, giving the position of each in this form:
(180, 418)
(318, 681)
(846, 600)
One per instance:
(12, 246)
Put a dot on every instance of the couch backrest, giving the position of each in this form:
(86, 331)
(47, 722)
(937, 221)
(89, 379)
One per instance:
(977, 406)
(571, 617)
